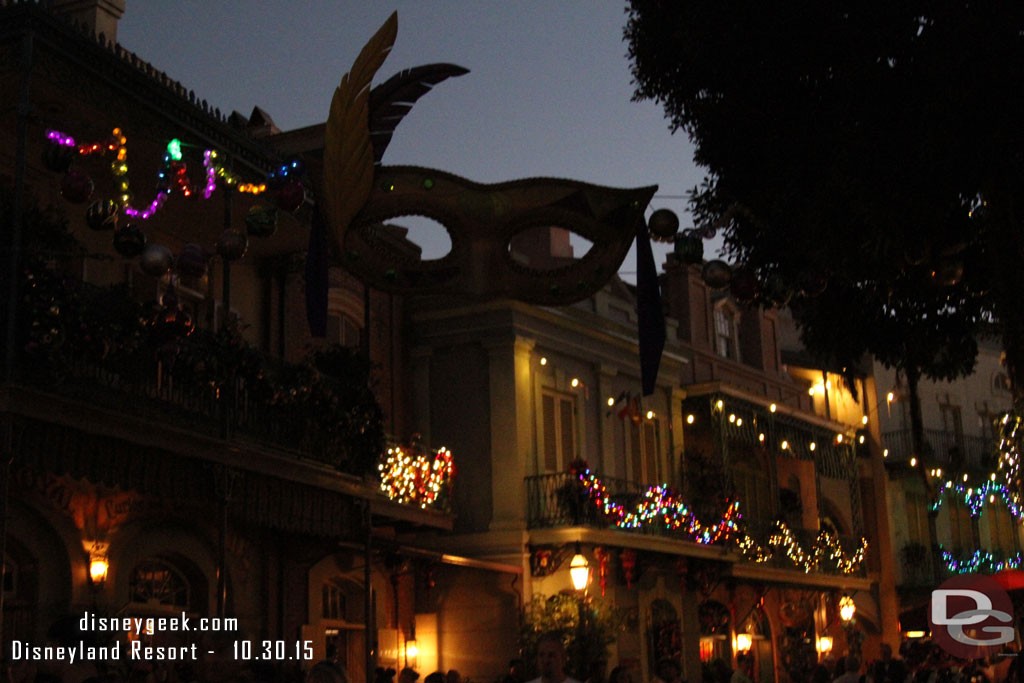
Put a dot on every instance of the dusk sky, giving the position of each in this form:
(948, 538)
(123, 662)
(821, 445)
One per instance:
(548, 93)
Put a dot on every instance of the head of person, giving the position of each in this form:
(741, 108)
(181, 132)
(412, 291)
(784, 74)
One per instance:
(436, 677)
(326, 672)
(408, 675)
(620, 674)
(453, 676)
(551, 656)
(668, 670)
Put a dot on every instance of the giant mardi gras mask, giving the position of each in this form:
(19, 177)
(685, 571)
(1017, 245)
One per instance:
(358, 195)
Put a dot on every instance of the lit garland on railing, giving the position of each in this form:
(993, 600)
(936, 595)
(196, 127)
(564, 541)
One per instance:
(980, 560)
(659, 504)
(826, 548)
(1009, 453)
(407, 476)
(976, 497)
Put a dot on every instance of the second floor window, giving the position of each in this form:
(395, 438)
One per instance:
(753, 489)
(558, 430)
(1002, 530)
(961, 527)
(644, 450)
(725, 332)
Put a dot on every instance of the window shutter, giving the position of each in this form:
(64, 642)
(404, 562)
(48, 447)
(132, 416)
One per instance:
(550, 436)
(651, 450)
(568, 428)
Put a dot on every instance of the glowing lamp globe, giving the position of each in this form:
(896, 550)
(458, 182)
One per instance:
(743, 642)
(98, 567)
(579, 571)
(825, 644)
(846, 608)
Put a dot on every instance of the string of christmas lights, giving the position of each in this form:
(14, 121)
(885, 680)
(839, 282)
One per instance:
(826, 550)
(980, 560)
(659, 504)
(173, 167)
(412, 476)
(1009, 450)
(976, 497)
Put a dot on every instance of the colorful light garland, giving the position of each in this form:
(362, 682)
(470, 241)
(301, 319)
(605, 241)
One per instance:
(173, 167)
(980, 560)
(659, 504)
(412, 476)
(976, 497)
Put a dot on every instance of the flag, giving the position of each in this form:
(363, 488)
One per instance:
(649, 314)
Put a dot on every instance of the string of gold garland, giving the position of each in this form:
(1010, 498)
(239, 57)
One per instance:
(825, 552)
(411, 476)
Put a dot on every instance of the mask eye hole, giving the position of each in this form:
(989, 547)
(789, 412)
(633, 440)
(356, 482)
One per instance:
(413, 231)
(546, 248)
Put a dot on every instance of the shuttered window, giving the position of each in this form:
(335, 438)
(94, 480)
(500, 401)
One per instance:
(558, 427)
(644, 451)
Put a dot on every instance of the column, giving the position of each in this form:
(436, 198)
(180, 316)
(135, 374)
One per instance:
(511, 411)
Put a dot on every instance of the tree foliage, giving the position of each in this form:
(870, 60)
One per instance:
(868, 157)
(585, 644)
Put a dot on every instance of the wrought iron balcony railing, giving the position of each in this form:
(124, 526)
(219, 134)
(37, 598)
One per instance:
(959, 451)
(555, 500)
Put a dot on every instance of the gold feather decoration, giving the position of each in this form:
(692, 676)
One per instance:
(348, 153)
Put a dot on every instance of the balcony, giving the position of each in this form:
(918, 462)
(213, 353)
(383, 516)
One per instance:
(948, 449)
(102, 349)
(557, 500)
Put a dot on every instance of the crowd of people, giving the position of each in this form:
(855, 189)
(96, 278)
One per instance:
(919, 661)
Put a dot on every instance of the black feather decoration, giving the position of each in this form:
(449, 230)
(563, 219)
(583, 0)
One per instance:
(391, 100)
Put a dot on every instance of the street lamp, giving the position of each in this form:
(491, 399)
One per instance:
(846, 609)
(579, 570)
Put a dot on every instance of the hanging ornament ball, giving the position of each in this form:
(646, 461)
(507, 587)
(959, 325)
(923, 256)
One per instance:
(663, 224)
(191, 261)
(689, 247)
(76, 187)
(708, 232)
(102, 214)
(716, 274)
(156, 260)
(231, 245)
(58, 158)
(169, 325)
(261, 221)
(776, 290)
(129, 241)
(743, 286)
(290, 195)
(812, 283)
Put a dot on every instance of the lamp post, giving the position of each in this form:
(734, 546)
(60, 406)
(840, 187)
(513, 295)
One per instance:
(579, 572)
(847, 610)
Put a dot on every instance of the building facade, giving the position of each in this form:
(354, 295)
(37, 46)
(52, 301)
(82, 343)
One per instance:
(172, 446)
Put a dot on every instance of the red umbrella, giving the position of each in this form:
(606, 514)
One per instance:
(1010, 579)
